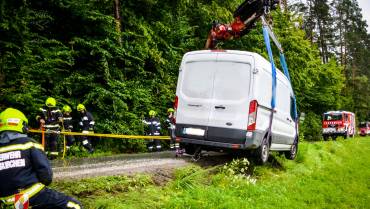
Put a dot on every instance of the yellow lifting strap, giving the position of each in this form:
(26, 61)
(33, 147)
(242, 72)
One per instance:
(30, 192)
(118, 136)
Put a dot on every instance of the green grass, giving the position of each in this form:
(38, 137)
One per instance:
(334, 174)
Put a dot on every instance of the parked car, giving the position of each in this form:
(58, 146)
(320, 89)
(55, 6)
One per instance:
(364, 128)
(223, 102)
(338, 123)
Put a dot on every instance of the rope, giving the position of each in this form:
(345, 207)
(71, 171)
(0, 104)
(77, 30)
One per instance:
(117, 136)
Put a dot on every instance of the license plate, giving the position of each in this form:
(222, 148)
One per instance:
(194, 131)
(330, 130)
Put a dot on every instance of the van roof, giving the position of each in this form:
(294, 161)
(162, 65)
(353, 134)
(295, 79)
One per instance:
(260, 62)
(338, 112)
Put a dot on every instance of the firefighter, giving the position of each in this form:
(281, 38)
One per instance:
(171, 128)
(24, 168)
(87, 124)
(154, 127)
(68, 125)
(50, 118)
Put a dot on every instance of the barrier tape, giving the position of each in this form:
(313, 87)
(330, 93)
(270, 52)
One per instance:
(117, 136)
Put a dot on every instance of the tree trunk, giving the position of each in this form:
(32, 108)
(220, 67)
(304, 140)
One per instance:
(117, 18)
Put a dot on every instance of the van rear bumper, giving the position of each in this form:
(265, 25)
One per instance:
(251, 141)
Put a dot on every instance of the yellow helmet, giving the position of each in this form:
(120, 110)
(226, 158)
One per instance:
(170, 110)
(67, 108)
(50, 102)
(81, 107)
(152, 113)
(13, 120)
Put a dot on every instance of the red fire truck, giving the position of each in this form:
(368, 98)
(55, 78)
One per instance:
(364, 128)
(338, 123)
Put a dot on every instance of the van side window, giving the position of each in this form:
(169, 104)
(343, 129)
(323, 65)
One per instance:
(292, 108)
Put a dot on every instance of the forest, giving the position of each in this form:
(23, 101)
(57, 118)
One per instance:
(120, 58)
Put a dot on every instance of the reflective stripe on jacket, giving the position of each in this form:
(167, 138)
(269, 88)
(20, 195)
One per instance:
(22, 165)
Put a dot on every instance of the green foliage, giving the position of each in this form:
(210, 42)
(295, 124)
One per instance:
(71, 50)
(311, 127)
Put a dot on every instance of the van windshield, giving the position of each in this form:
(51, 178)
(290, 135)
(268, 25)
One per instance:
(222, 80)
(332, 116)
(362, 125)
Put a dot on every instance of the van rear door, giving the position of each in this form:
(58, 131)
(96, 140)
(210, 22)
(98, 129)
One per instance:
(230, 99)
(195, 92)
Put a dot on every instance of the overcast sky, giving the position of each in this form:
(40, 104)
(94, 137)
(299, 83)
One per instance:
(365, 6)
(365, 10)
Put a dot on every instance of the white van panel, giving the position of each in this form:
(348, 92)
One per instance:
(262, 93)
(195, 92)
(229, 80)
(283, 125)
(229, 108)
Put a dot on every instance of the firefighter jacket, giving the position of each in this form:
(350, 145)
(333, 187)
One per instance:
(87, 122)
(67, 122)
(23, 165)
(51, 116)
(170, 121)
(154, 126)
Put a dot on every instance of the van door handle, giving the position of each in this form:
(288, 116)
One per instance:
(220, 107)
(194, 105)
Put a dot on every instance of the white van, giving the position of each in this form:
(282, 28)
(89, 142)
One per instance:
(223, 101)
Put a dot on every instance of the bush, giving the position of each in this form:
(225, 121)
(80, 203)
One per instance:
(311, 127)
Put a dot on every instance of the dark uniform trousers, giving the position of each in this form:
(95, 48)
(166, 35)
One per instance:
(50, 199)
(24, 168)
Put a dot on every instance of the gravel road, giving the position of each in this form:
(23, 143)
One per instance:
(129, 164)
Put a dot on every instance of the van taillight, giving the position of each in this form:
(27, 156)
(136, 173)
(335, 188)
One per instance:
(175, 105)
(252, 116)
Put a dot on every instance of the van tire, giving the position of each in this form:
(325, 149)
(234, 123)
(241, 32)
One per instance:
(262, 152)
(345, 135)
(292, 153)
(326, 138)
(189, 149)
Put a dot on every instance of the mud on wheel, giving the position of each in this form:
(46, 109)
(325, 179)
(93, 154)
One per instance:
(262, 153)
(292, 153)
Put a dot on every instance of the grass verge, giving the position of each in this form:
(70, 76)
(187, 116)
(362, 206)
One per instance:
(333, 174)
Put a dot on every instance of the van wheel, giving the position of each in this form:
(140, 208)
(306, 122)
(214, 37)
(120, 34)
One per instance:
(262, 152)
(345, 135)
(189, 149)
(334, 138)
(290, 155)
(326, 138)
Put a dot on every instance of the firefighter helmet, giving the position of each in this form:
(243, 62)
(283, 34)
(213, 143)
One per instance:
(13, 120)
(50, 102)
(67, 108)
(152, 113)
(81, 107)
(170, 110)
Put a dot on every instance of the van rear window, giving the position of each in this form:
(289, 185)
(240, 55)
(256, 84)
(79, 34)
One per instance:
(216, 80)
(198, 79)
(231, 81)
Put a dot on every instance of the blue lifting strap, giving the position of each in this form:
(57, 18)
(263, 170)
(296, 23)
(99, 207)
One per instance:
(286, 72)
(265, 29)
(273, 74)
